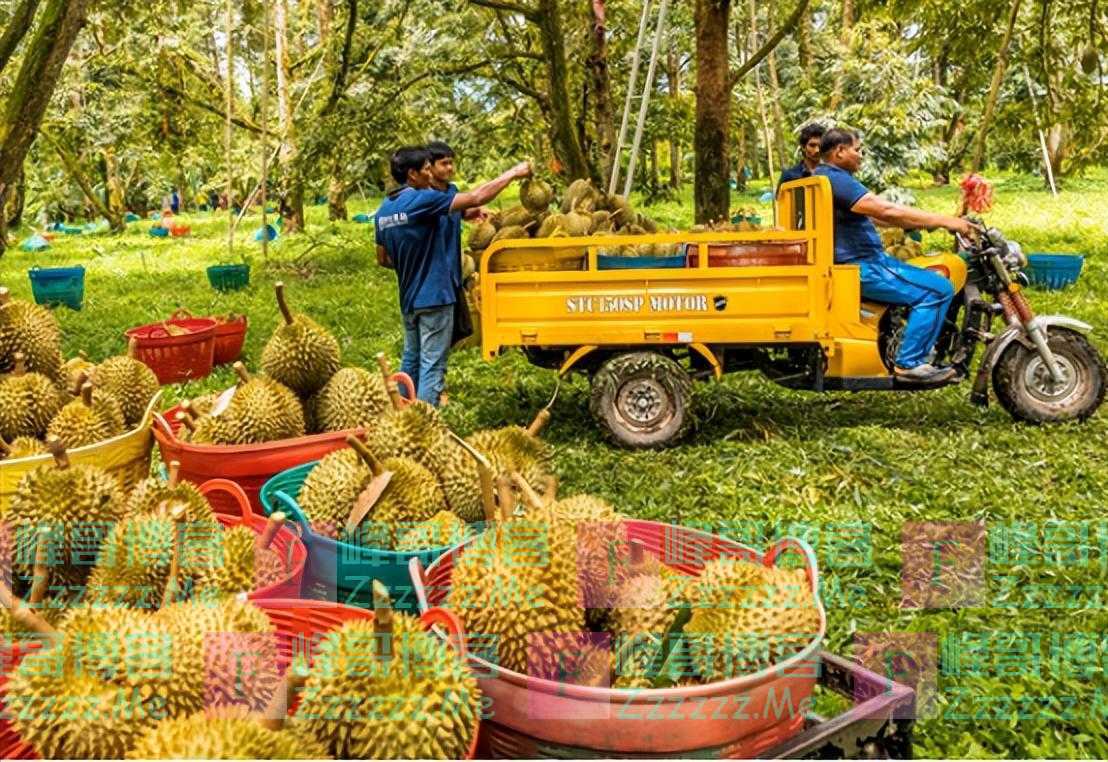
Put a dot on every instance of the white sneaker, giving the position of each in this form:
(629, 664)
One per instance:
(926, 373)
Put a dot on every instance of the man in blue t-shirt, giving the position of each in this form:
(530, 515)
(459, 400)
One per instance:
(409, 240)
(884, 278)
(810, 138)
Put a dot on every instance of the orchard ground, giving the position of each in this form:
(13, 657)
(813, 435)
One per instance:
(851, 472)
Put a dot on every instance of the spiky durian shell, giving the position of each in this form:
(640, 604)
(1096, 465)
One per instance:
(352, 398)
(67, 501)
(747, 617)
(27, 404)
(224, 733)
(441, 530)
(229, 647)
(535, 195)
(25, 447)
(303, 356)
(115, 673)
(78, 424)
(73, 369)
(415, 431)
(237, 567)
(601, 547)
(130, 382)
(412, 495)
(149, 494)
(423, 703)
(32, 330)
(330, 489)
(264, 410)
(517, 579)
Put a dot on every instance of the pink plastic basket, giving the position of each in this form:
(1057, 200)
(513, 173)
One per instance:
(735, 718)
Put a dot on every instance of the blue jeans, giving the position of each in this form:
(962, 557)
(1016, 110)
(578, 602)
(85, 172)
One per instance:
(928, 294)
(427, 334)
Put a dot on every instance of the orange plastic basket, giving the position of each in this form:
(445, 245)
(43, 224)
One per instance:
(229, 336)
(249, 466)
(176, 358)
(535, 717)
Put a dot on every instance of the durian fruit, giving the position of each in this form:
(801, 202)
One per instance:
(517, 584)
(129, 381)
(577, 223)
(110, 675)
(204, 404)
(516, 216)
(70, 500)
(747, 617)
(228, 647)
(412, 495)
(34, 618)
(414, 430)
(508, 449)
(510, 231)
(244, 561)
(535, 194)
(601, 221)
(91, 418)
(646, 224)
(301, 354)
(622, 213)
(151, 494)
(481, 235)
(75, 371)
(331, 489)
(441, 530)
(224, 733)
(31, 329)
(261, 410)
(28, 401)
(552, 226)
(352, 398)
(642, 616)
(580, 196)
(469, 267)
(21, 447)
(387, 689)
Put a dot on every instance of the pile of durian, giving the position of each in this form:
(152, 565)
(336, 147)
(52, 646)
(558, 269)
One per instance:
(545, 572)
(407, 483)
(743, 225)
(150, 649)
(76, 401)
(898, 244)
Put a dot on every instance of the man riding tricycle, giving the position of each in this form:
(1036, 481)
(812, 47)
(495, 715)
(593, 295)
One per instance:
(790, 303)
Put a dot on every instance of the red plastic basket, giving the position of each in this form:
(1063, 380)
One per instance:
(286, 543)
(249, 466)
(229, 336)
(751, 254)
(300, 625)
(538, 717)
(176, 358)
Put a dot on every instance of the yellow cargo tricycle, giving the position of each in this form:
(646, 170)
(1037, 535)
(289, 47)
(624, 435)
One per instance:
(772, 301)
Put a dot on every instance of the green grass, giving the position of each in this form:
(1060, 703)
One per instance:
(765, 460)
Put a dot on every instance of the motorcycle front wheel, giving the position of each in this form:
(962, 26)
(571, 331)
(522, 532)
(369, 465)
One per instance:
(1026, 389)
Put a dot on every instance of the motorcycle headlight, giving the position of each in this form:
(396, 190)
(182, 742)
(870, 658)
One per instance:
(1015, 258)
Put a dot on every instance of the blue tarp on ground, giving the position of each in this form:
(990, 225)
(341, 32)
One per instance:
(272, 233)
(34, 243)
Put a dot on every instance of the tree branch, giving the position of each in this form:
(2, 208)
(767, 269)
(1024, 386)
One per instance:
(788, 25)
(18, 26)
(338, 84)
(238, 121)
(500, 5)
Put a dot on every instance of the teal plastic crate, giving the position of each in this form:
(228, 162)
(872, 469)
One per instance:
(1054, 271)
(229, 277)
(52, 286)
(338, 570)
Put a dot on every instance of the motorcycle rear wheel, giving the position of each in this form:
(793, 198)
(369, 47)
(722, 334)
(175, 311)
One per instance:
(1025, 388)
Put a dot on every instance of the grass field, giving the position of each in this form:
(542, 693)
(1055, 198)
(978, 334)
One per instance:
(763, 461)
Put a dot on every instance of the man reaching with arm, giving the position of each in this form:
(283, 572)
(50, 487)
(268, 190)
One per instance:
(884, 278)
(409, 240)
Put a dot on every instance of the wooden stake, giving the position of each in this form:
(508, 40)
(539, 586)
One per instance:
(272, 527)
(539, 423)
(282, 304)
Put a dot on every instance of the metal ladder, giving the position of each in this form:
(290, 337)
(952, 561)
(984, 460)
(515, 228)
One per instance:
(643, 99)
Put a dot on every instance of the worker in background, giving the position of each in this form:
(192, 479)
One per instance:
(884, 278)
(810, 137)
(410, 240)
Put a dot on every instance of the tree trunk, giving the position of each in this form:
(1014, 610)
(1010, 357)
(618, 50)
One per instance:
(804, 43)
(844, 41)
(767, 134)
(673, 77)
(653, 156)
(1057, 148)
(778, 114)
(34, 84)
(712, 191)
(94, 205)
(567, 147)
(13, 213)
(994, 89)
(336, 193)
(597, 63)
(116, 205)
(292, 196)
(740, 161)
(18, 26)
(324, 15)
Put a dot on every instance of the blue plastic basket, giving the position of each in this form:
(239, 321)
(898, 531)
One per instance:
(608, 262)
(58, 285)
(229, 277)
(340, 571)
(362, 217)
(268, 232)
(1054, 271)
(159, 232)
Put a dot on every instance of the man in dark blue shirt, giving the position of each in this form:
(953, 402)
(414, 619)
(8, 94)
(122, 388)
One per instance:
(409, 240)
(810, 138)
(885, 278)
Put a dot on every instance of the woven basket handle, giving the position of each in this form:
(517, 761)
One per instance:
(403, 379)
(234, 490)
(801, 546)
(293, 510)
(181, 313)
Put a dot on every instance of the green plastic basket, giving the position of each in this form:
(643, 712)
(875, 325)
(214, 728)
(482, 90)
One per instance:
(229, 277)
(52, 286)
(338, 570)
